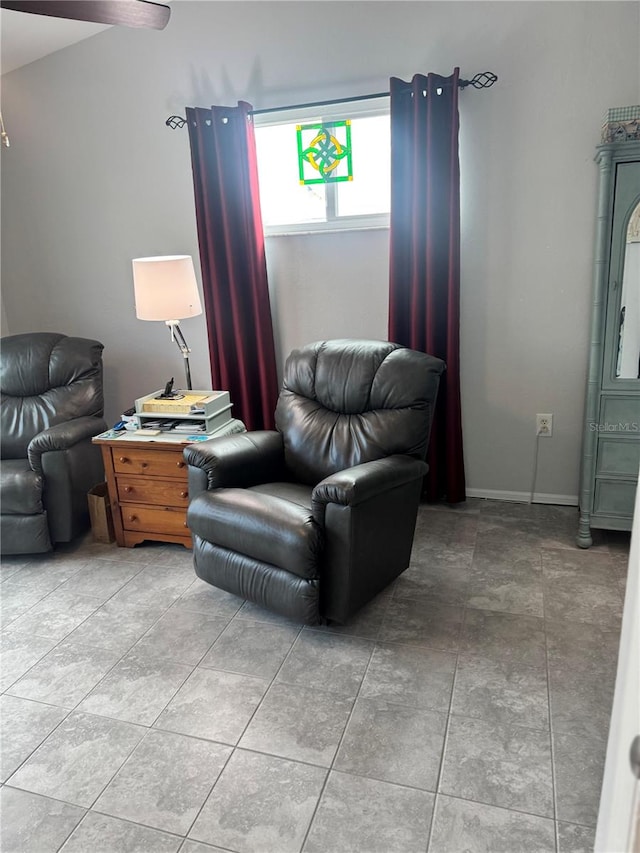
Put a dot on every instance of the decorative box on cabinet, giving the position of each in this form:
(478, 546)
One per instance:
(611, 439)
(215, 410)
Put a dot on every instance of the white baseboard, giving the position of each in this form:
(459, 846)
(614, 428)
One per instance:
(523, 497)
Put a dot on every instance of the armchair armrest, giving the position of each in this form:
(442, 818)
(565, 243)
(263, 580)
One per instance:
(62, 437)
(356, 485)
(236, 461)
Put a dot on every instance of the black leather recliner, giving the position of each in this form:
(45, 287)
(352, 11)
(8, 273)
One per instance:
(51, 406)
(312, 520)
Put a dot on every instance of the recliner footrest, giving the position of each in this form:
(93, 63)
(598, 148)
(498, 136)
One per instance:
(276, 589)
(264, 527)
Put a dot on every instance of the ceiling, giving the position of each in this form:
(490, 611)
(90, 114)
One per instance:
(25, 37)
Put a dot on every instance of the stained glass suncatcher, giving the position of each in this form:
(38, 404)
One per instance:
(324, 152)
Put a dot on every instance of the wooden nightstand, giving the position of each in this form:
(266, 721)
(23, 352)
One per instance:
(147, 482)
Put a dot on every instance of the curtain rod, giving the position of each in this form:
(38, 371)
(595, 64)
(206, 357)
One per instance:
(483, 80)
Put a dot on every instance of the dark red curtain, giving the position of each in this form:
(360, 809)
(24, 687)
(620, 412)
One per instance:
(232, 259)
(424, 280)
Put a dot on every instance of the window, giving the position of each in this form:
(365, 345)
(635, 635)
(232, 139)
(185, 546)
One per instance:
(288, 206)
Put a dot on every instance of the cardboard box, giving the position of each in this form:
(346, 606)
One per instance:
(100, 514)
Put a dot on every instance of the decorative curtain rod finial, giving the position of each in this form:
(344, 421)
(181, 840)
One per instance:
(175, 122)
(483, 80)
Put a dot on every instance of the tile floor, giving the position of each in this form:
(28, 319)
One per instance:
(465, 709)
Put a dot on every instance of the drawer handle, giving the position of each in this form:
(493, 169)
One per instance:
(123, 459)
(184, 494)
(180, 464)
(133, 518)
(185, 524)
(144, 464)
(128, 488)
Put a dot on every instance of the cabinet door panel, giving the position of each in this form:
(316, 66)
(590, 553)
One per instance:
(618, 457)
(622, 265)
(620, 414)
(614, 498)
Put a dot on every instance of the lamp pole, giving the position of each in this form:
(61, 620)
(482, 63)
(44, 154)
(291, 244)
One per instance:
(178, 337)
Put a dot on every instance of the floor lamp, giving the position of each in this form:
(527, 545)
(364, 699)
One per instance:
(166, 290)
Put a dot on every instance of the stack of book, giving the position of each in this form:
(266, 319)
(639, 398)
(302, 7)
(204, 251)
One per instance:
(189, 412)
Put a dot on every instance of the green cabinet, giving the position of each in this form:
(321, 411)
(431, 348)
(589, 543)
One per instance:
(611, 438)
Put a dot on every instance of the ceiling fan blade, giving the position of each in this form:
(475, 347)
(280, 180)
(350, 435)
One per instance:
(127, 13)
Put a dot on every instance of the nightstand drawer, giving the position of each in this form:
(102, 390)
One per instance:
(143, 490)
(167, 520)
(151, 463)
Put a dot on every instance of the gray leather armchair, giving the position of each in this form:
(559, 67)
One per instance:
(51, 407)
(312, 520)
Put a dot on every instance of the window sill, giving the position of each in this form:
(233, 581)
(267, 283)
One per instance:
(325, 228)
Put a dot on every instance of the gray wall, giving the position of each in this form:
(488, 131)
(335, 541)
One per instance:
(94, 179)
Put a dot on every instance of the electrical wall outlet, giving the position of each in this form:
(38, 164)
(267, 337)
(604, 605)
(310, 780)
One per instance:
(544, 425)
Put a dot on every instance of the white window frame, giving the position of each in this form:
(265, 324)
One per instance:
(333, 223)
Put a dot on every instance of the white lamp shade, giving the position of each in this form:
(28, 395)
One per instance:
(165, 288)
